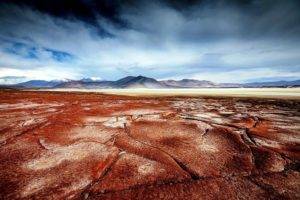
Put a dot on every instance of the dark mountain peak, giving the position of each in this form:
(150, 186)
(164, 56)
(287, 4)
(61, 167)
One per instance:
(126, 77)
(186, 79)
(137, 81)
(124, 80)
(144, 78)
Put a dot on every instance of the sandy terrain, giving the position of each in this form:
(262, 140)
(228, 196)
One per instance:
(68, 145)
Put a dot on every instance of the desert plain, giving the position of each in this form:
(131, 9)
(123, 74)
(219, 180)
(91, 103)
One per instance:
(89, 145)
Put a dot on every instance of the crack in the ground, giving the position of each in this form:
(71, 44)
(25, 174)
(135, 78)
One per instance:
(10, 139)
(189, 171)
(191, 117)
(271, 191)
(41, 143)
(85, 193)
(256, 121)
(153, 184)
(249, 136)
(206, 132)
(293, 166)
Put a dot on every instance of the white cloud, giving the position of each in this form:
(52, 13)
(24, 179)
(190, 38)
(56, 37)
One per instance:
(239, 76)
(162, 37)
(49, 73)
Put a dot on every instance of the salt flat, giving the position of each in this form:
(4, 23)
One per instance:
(290, 93)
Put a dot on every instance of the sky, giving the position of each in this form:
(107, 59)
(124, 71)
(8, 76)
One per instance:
(216, 40)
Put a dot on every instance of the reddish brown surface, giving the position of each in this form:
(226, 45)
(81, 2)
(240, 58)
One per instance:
(94, 146)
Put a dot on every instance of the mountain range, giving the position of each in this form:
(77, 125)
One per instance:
(146, 82)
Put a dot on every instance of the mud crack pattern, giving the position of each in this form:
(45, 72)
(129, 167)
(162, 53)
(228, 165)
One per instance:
(94, 146)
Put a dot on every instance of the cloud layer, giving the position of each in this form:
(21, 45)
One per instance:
(221, 41)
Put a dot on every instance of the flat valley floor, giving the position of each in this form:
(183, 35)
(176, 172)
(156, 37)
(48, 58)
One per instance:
(71, 145)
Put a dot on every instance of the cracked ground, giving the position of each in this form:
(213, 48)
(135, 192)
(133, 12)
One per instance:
(96, 146)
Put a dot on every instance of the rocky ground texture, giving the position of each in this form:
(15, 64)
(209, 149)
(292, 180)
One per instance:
(95, 146)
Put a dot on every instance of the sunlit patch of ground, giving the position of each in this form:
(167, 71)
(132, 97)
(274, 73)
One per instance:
(226, 92)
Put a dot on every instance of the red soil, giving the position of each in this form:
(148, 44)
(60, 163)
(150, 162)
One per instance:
(95, 146)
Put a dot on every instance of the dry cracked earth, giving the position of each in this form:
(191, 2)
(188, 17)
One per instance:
(95, 146)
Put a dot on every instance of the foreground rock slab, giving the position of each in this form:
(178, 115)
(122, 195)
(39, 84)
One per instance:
(56, 145)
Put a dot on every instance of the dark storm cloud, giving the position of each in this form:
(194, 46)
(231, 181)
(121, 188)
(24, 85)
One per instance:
(224, 40)
(81, 9)
(220, 17)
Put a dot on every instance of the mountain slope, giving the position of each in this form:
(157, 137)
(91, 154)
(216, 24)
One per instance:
(126, 82)
(188, 83)
(146, 82)
(138, 82)
(274, 84)
(39, 84)
(83, 84)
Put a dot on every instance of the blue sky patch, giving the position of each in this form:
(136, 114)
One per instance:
(60, 56)
(31, 52)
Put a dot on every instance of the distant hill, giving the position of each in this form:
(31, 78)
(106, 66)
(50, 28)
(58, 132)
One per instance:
(126, 82)
(189, 83)
(84, 84)
(138, 82)
(39, 84)
(274, 84)
(146, 82)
